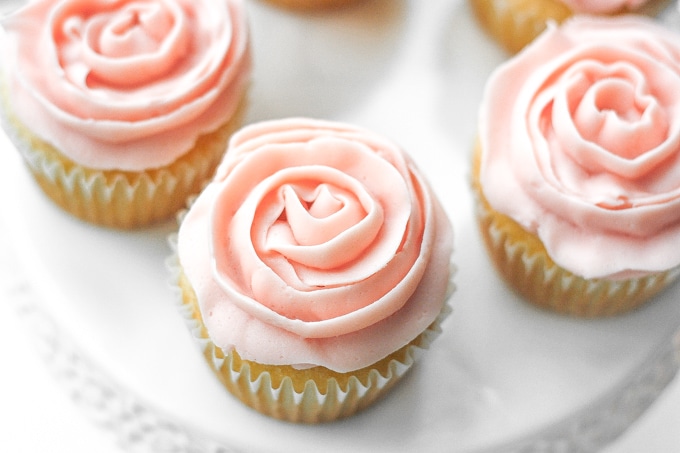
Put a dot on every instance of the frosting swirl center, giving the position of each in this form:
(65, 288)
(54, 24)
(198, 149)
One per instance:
(608, 116)
(122, 45)
(138, 28)
(345, 219)
(612, 113)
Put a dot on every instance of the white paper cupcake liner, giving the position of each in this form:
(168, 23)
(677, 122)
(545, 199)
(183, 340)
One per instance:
(115, 198)
(285, 402)
(542, 282)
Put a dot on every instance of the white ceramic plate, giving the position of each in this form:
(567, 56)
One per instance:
(503, 376)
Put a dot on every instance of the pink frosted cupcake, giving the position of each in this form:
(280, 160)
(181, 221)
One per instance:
(314, 268)
(578, 163)
(515, 23)
(312, 4)
(123, 109)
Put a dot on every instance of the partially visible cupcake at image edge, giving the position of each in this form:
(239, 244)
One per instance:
(121, 110)
(312, 5)
(515, 23)
(314, 269)
(577, 166)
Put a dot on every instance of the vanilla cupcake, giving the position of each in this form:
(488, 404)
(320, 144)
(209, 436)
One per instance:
(577, 165)
(314, 268)
(310, 5)
(123, 109)
(515, 23)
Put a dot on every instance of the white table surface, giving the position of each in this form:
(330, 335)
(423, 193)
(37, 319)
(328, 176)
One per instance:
(39, 415)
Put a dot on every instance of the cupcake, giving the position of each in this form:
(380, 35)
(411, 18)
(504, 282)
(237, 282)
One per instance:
(578, 162)
(311, 5)
(129, 108)
(314, 268)
(515, 23)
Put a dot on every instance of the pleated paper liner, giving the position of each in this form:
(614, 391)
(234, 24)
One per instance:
(313, 395)
(121, 199)
(522, 261)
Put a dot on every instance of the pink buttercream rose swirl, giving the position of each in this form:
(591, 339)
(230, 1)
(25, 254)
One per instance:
(136, 80)
(318, 228)
(581, 134)
(317, 243)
